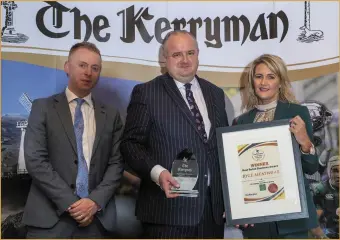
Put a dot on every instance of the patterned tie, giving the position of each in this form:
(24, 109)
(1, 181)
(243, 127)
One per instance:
(82, 181)
(195, 112)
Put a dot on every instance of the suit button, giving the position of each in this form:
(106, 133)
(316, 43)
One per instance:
(205, 175)
(72, 186)
(76, 161)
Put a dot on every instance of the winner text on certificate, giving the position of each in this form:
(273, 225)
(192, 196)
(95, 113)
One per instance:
(260, 172)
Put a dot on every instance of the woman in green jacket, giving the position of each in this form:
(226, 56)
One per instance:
(267, 96)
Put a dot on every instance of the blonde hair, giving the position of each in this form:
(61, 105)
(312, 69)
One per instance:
(278, 67)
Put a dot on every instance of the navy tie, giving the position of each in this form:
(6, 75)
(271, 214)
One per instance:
(82, 181)
(195, 112)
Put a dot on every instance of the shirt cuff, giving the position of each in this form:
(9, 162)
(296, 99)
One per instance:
(311, 151)
(155, 172)
(99, 208)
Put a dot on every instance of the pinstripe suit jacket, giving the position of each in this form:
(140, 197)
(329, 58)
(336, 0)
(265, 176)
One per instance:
(158, 126)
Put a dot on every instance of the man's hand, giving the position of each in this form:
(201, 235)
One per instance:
(83, 210)
(85, 223)
(166, 182)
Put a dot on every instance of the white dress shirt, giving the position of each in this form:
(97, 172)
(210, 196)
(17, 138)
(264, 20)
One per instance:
(199, 99)
(89, 133)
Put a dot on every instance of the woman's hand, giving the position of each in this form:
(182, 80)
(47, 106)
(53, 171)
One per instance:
(298, 128)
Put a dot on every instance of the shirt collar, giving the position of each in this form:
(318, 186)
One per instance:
(267, 107)
(194, 84)
(71, 96)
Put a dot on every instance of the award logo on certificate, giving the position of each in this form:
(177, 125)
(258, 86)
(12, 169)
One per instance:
(260, 171)
(185, 171)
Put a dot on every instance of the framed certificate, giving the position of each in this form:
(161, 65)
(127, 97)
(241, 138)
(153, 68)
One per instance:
(261, 173)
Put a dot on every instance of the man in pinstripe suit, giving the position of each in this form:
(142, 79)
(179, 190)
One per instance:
(161, 123)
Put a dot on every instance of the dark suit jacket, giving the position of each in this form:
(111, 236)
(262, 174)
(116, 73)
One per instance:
(309, 163)
(51, 160)
(159, 125)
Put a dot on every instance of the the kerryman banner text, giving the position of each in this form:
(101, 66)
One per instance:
(36, 38)
(230, 34)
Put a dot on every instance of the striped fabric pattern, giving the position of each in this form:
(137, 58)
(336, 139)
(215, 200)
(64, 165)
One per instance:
(159, 125)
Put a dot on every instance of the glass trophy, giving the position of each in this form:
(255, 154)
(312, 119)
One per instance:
(185, 171)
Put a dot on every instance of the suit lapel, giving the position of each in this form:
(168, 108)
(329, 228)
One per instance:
(65, 117)
(174, 93)
(100, 117)
(208, 98)
(280, 110)
(250, 116)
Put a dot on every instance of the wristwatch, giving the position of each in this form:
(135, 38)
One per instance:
(311, 150)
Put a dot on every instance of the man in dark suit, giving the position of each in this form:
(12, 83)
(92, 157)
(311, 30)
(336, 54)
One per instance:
(171, 113)
(72, 154)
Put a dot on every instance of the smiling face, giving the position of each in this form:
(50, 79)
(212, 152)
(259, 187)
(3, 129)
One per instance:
(83, 69)
(266, 84)
(264, 81)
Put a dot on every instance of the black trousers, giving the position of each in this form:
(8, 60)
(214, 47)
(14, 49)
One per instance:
(68, 228)
(207, 228)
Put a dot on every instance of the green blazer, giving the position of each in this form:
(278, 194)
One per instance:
(309, 165)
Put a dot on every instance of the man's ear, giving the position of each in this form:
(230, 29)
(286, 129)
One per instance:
(66, 67)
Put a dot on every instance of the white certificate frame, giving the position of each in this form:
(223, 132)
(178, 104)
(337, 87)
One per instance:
(238, 212)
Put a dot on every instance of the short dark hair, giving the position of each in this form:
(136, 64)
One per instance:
(176, 32)
(88, 45)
